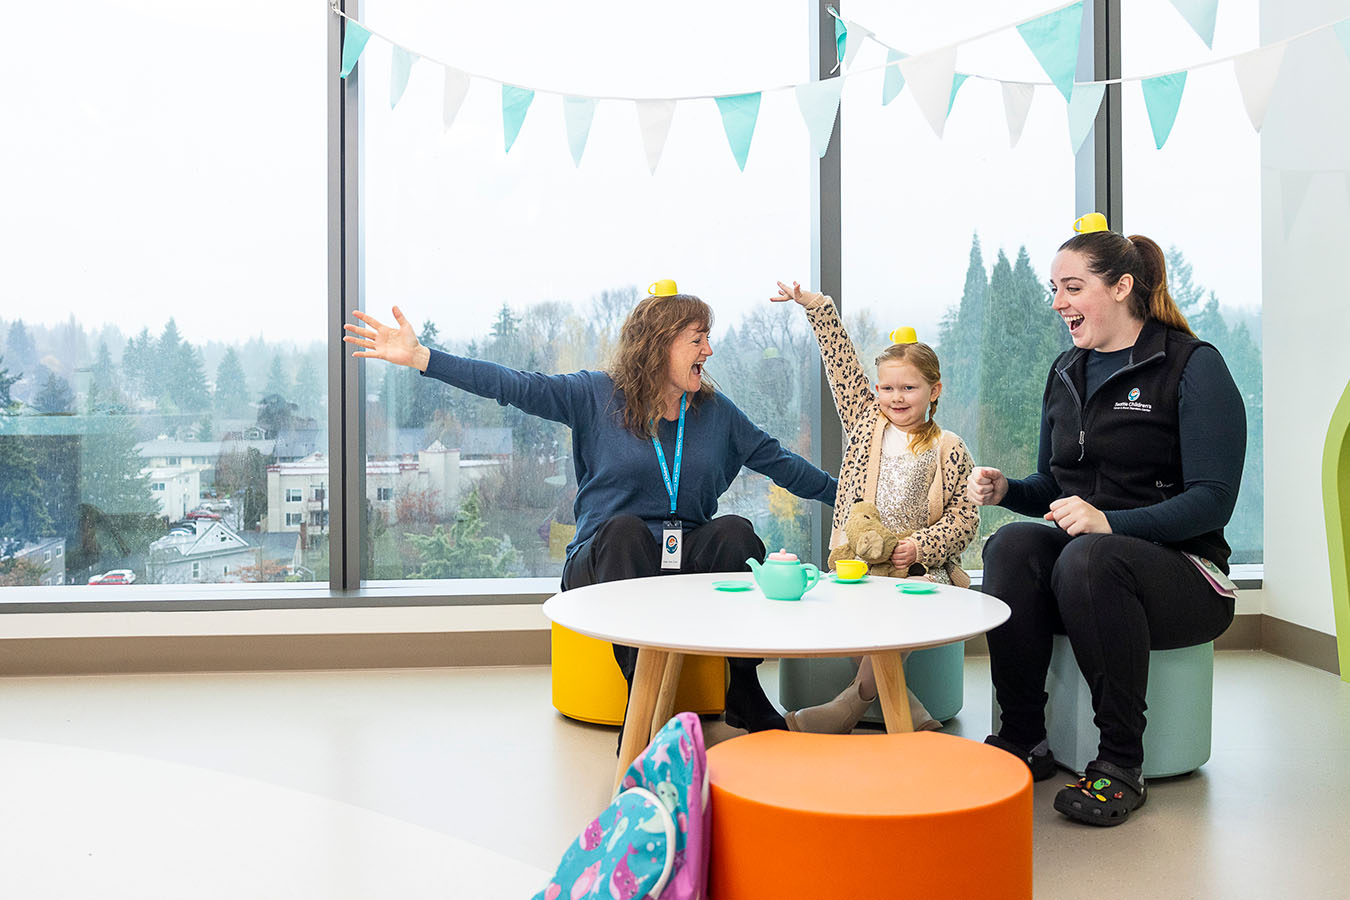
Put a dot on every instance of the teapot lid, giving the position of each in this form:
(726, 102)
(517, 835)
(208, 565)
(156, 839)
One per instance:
(782, 556)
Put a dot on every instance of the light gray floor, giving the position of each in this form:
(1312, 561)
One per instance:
(479, 755)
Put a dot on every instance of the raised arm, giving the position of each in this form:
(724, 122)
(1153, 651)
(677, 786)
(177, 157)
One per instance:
(853, 397)
(559, 398)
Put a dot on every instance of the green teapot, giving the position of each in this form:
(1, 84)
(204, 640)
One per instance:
(782, 576)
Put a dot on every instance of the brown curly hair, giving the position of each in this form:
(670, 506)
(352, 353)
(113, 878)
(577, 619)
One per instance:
(641, 362)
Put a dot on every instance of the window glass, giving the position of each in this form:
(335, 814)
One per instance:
(164, 248)
(1204, 208)
(953, 235)
(526, 259)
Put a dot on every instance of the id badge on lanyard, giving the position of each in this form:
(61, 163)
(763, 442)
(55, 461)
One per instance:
(672, 529)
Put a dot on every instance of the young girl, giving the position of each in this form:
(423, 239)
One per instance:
(900, 459)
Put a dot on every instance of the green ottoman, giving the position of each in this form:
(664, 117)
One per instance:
(1180, 710)
(936, 675)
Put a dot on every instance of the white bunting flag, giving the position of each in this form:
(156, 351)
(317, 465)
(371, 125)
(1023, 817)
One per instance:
(654, 121)
(1200, 14)
(929, 77)
(856, 35)
(1256, 73)
(1017, 103)
(456, 87)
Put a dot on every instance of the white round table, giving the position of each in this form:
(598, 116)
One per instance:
(669, 616)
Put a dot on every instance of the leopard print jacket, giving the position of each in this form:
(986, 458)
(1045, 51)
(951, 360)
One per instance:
(953, 519)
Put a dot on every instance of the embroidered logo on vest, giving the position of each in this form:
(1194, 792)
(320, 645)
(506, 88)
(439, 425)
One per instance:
(1131, 402)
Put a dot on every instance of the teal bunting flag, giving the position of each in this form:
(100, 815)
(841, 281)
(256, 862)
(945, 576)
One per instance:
(1343, 32)
(1162, 97)
(894, 81)
(739, 113)
(819, 103)
(515, 103)
(840, 39)
(1083, 106)
(957, 80)
(399, 70)
(1053, 39)
(354, 39)
(1200, 15)
(578, 113)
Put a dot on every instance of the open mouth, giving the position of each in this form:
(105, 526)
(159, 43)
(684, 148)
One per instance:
(1073, 322)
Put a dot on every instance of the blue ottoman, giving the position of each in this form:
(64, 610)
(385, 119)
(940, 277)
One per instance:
(936, 675)
(1180, 710)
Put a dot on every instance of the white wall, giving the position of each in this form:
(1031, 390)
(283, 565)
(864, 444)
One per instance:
(1305, 298)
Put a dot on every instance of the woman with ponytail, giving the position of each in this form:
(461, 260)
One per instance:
(900, 459)
(1142, 439)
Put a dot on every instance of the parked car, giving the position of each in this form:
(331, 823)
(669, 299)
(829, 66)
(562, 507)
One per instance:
(114, 576)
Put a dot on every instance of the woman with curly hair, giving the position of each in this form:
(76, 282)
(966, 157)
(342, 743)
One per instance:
(655, 445)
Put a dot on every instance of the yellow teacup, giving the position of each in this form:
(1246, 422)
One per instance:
(904, 335)
(851, 569)
(664, 287)
(1093, 221)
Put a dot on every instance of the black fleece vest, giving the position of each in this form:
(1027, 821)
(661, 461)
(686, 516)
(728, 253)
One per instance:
(1121, 449)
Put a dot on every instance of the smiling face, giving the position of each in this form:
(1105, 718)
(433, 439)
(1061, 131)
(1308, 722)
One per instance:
(1097, 313)
(904, 394)
(688, 352)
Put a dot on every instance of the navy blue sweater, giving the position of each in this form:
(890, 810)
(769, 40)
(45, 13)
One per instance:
(617, 472)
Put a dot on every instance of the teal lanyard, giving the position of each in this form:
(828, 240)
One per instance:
(672, 485)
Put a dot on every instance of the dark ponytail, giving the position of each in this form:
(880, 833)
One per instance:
(1110, 256)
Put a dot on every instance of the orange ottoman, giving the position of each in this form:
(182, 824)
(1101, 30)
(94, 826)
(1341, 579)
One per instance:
(822, 815)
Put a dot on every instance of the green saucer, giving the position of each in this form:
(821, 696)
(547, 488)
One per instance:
(837, 580)
(732, 585)
(917, 587)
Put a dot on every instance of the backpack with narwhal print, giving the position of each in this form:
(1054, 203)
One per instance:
(652, 840)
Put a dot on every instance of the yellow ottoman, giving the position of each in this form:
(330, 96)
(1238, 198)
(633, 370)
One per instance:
(587, 684)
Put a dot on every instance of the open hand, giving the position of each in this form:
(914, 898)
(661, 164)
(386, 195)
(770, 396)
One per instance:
(399, 346)
(808, 299)
(1077, 516)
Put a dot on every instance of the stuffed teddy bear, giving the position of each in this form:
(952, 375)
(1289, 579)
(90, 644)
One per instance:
(868, 540)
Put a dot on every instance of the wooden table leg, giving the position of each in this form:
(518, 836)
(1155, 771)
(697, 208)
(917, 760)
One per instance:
(637, 727)
(894, 694)
(665, 699)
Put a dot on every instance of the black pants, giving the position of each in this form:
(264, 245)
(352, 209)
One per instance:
(1116, 598)
(624, 547)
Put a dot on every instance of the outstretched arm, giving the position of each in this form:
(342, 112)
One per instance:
(399, 346)
(853, 397)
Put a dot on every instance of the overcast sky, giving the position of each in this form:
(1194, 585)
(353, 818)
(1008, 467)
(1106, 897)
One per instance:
(174, 161)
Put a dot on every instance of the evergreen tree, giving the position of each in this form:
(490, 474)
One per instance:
(104, 394)
(55, 396)
(138, 364)
(231, 397)
(277, 383)
(6, 382)
(277, 414)
(111, 479)
(167, 355)
(188, 388)
(310, 388)
(463, 551)
(20, 349)
(958, 349)
(23, 506)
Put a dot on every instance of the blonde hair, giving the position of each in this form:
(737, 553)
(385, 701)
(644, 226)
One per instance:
(921, 357)
(641, 361)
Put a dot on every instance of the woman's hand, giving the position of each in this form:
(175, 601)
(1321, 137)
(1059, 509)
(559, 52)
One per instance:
(1077, 516)
(906, 554)
(808, 299)
(986, 486)
(399, 346)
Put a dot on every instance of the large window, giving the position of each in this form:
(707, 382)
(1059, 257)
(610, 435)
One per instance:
(1204, 207)
(953, 235)
(162, 330)
(527, 259)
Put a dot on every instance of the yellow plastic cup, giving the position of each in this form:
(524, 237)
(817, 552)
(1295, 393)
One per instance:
(665, 287)
(850, 568)
(904, 335)
(1093, 221)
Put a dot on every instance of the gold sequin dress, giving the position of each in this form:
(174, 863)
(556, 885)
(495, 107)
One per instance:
(903, 482)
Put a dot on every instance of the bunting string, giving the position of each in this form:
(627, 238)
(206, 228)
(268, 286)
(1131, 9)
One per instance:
(1052, 36)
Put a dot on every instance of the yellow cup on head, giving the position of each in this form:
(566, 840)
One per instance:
(665, 287)
(1093, 221)
(850, 568)
(904, 335)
